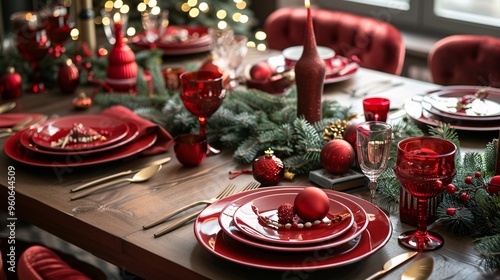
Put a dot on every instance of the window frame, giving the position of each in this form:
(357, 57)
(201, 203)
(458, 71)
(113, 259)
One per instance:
(420, 19)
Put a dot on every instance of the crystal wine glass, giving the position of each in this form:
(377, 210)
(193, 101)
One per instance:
(236, 51)
(424, 166)
(32, 42)
(58, 26)
(202, 92)
(155, 23)
(373, 149)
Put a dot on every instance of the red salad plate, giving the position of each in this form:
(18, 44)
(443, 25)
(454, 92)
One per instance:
(229, 228)
(28, 144)
(247, 221)
(210, 236)
(16, 151)
(49, 132)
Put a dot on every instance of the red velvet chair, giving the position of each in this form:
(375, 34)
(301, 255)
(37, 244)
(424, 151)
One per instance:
(466, 60)
(377, 44)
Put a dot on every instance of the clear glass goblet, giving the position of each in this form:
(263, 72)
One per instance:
(155, 23)
(374, 149)
(236, 51)
(109, 17)
(424, 166)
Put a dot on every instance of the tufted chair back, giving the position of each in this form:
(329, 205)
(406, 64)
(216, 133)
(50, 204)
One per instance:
(466, 60)
(377, 44)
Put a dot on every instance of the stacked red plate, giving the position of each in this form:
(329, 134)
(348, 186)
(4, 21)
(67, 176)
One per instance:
(178, 40)
(482, 114)
(230, 229)
(46, 144)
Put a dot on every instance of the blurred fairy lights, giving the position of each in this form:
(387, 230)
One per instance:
(194, 8)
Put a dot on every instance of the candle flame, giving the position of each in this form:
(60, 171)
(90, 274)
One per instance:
(117, 18)
(307, 3)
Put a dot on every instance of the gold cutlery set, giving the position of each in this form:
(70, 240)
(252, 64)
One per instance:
(26, 123)
(420, 269)
(147, 173)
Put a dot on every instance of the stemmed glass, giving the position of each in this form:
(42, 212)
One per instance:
(373, 149)
(202, 92)
(58, 26)
(236, 52)
(109, 17)
(155, 23)
(32, 42)
(424, 166)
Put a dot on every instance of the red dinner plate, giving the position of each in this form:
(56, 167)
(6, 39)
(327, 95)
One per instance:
(210, 236)
(227, 224)
(341, 70)
(17, 152)
(28, 144)
(51, 131)
(247, 221)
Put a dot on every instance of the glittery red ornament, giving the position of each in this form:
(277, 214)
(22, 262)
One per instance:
(268, 169)
(311, 204)
(309, 76)
(121, 74)
(68, 77)
(493, 187)
(337, 156)
(11, 84)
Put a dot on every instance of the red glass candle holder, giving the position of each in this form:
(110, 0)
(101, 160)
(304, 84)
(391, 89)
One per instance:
(376, 108)
(190, 149)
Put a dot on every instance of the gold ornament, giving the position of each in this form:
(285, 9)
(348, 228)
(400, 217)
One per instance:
(335, 130)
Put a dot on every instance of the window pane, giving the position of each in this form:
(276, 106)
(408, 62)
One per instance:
(403, 5)
(477, 11)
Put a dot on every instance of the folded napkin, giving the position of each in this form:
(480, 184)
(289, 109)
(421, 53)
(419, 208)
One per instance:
(164, 140)
(9, 120)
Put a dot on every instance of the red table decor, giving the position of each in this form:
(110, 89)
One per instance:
(10, 84)
(121, 74)
(309, 75)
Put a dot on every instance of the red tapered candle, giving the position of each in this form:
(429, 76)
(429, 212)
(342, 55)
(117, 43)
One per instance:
(309, 75)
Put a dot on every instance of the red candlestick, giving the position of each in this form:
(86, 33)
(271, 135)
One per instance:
(309, 76)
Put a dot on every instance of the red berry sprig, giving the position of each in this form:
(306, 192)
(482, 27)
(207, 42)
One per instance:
(464, 192)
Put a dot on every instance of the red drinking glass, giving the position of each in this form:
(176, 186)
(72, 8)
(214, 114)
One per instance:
(376, 108)
(58, 26)
(190, 149)
(202, 93)
(32, 42)
(424, 166)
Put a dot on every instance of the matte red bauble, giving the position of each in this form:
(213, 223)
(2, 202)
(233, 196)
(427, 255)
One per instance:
(268, 169)
(217, 66)
(493, 187)
(11, 84)
(311, 204)
(68, 77)
(337, 156)
(350, 134)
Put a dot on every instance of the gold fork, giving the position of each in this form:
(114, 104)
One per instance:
(181, 221)
(226, 191)
(26, 123)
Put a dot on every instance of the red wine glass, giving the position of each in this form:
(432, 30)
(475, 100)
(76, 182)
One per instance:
(58, 26)
(32, 42)
(424, 166)
(202, 93)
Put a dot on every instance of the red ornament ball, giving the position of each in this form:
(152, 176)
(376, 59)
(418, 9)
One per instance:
(311, 204)
(337, 156)
(350, 134)
(68, 77)
(11, 84)
(493, 187)
(261, 71)
(268, 169)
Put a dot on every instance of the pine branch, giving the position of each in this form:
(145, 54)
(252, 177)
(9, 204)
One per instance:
(489, 247)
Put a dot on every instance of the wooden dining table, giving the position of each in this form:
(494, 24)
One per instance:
(109, 223)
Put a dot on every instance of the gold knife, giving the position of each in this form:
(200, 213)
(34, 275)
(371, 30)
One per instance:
(419, 269)
(7, 107)
(393, 263)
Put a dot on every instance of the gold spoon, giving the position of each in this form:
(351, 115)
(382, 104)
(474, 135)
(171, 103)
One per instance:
(141, 176)
(419, 270)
